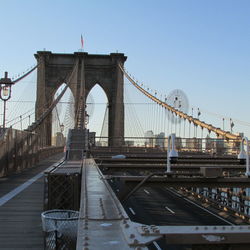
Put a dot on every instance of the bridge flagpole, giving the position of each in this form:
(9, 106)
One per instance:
(82, 44)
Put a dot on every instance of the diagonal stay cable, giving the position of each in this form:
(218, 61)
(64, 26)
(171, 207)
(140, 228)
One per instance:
(54, 103)
(141, 183)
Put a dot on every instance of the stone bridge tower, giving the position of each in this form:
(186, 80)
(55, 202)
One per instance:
(54, 69)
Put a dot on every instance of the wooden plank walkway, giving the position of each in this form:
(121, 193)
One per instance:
(20, 217)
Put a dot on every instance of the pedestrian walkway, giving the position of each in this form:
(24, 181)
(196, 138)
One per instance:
(21, 205)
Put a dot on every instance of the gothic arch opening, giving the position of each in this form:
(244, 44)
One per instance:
(63, 116)
(97, 109)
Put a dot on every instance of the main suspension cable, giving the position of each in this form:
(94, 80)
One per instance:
(195, 121)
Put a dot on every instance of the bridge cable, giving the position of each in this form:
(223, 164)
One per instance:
(195, 121)
(104, 124)
(135, 123)
(54, 103)
(24, 75)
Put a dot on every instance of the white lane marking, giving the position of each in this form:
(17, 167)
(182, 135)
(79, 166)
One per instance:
(112, 242)
(19, 189)
(146, 191)
(170, 210)
(131, 210)
(106, 224)
(156, 245)
(208, 211)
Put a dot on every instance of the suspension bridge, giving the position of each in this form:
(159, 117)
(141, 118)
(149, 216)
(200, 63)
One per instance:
(145, 173)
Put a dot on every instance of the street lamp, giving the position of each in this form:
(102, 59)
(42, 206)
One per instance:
(244, 155)
(5, 92)
(172, 153)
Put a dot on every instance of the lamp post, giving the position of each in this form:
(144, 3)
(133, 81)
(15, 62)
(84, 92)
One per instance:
(244, 155)
(5, 92)
(172, 153)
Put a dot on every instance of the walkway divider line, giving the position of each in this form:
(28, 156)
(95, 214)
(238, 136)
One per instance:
(19, 189)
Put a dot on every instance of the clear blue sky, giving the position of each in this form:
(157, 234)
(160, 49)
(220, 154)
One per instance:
(201, 47)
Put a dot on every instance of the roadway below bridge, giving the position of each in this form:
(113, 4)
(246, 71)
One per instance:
(164, 206)
(158, 201)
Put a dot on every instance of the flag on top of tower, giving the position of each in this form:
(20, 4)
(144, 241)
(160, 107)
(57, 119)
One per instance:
(82, 42)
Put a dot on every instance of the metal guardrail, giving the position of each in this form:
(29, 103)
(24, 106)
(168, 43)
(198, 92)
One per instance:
(233, 200)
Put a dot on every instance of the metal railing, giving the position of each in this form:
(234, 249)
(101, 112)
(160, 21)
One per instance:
(234, 200)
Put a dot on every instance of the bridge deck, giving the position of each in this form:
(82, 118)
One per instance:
(21, 205)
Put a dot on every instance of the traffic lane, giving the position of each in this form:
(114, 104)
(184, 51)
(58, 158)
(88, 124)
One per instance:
(163, 206)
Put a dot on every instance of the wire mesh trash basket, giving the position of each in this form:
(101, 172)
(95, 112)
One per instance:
(60, 229)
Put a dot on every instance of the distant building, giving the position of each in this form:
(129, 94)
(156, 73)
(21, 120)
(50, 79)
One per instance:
(178, 143)
(92, 138)
(98, 144)
(129, 143)
(58, 140)
(209, 144)
(219, 146)
(102, 143)
(194, 144)
(160, 140)
(234, 145)
(149, 141)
